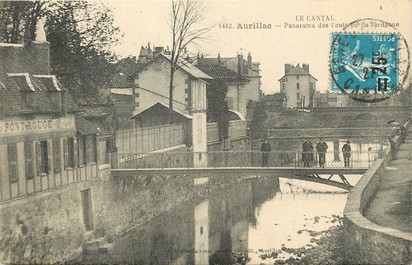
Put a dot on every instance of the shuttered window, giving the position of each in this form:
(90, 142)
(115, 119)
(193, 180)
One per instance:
(28, 157)
(89, 148)
(82, 150)
(42, 151)
(12, 158)
(57, 156)
(69, 150)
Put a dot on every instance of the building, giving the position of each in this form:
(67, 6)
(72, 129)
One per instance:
(122, 90)
(235, 82)
(298, 86)
(274, 101)
(44, 142)
(248, 69)
(156, 128)
(152, 81)
(330, 100)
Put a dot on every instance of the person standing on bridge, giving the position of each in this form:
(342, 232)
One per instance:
(321, 147)
(346, 150)
(307, 152)
(265, 148)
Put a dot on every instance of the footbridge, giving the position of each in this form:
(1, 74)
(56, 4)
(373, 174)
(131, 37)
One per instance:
(374, 133)
(282, 164)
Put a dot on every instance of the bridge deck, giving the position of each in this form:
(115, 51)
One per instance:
(242, 170)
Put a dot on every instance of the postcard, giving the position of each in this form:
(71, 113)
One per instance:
(205, 132)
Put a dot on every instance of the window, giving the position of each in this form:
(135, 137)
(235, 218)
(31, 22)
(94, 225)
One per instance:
(297, 86)
(311, 86)
(42, 157)
(298, 96)
(69, 153)
(82, 150)
(12, 155)
(297, 77)
(90, 149)
(57, 156)
(283, 86)
(28, 158)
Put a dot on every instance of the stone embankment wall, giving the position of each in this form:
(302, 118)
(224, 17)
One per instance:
(365, 241)
(49, 227)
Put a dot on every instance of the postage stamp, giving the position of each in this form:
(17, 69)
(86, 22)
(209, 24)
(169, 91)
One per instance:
(368, 66)
(362, 63)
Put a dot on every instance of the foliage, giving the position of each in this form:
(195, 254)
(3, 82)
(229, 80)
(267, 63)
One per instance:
(217, 109)
(80, 34)
(258, 128)
(18, 17)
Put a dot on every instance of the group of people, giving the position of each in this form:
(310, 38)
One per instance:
(321, 148)
(307, 152)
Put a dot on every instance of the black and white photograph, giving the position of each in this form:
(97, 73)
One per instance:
(206, 132)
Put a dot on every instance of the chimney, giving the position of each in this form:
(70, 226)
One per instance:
(249, 60)
(239, 63)
(158, 50)
(39, 51)
(288, 67)
(306, 67)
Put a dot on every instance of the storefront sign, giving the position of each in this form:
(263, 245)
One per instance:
(31, 126)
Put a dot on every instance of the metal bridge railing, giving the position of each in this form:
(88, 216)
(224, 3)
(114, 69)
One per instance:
(239, 159)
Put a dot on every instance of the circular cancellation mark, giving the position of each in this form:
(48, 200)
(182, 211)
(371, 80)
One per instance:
(369, 60)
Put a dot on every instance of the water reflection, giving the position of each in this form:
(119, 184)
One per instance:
(212, 230)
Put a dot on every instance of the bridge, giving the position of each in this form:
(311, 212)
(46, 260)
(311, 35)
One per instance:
(283, 164)
(372, 113)
(375, 133)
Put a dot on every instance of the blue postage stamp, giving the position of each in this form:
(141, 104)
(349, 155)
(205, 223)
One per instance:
(365, 63)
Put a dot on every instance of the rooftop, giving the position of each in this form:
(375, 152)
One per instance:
(217, 71)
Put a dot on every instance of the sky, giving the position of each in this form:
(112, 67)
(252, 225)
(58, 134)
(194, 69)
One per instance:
(144, 22)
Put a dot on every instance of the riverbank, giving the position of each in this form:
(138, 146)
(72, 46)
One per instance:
(325, 247)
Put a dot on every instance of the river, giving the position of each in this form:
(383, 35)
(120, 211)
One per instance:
(253, 222)
(250, 221)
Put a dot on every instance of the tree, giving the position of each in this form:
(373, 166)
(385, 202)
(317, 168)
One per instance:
(218, 109)
(18, 19)
(80, 34)
(185, 20)
(257, 125)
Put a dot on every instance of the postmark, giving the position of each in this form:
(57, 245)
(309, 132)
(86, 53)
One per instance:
(369, 67)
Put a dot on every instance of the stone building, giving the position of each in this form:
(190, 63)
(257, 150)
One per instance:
(44, 142)
(298, 86)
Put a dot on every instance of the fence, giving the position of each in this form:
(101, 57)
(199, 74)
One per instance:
(212, 132)
(237, 129)
(331, 132)
(144, 140)
(239, 159)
